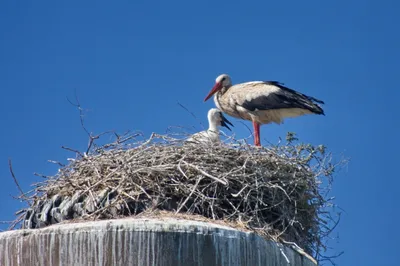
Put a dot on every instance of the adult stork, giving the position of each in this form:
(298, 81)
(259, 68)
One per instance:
(215, 119)
(261, 102)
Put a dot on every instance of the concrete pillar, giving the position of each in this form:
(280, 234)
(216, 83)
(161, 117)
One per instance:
(142, 242)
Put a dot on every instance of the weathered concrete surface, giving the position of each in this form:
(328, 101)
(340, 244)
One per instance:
(142, 242)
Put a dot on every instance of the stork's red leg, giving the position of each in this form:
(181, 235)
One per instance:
(256, 127)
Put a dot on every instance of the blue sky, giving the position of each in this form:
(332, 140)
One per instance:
(133, 61)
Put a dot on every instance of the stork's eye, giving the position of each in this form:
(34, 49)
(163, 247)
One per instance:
(223, 79)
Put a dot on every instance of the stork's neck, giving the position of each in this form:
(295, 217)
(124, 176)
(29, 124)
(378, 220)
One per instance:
(218, 96)
(224, 89)
(213, 127)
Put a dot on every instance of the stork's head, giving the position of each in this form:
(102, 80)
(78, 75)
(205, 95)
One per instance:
(215, 117)
(222, 81)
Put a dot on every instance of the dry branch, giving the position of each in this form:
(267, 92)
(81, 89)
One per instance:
(22, 196)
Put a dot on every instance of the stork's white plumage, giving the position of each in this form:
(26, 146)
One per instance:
(261, 102)
(215, 119)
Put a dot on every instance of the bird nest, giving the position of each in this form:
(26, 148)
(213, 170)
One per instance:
(276, 191)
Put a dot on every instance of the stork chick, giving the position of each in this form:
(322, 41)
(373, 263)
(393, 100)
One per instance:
(261, 102)
(215, 119)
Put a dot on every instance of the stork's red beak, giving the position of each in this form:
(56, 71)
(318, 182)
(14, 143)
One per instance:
(216, 88)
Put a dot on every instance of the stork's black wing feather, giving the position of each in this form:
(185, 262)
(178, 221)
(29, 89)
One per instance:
(280, 85)
(283, 98)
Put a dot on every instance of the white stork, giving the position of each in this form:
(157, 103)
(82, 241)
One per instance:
(215, 119)
(261, 102)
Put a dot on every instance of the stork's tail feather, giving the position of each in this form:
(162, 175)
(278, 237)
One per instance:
(316, 100)
(317, 110)
(314, 105)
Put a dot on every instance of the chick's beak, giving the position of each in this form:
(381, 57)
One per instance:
(225, 121)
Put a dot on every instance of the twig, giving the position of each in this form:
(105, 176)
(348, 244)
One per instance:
(73, 150)
(78, 105)
(195, 117)
(56, 162)
(206, 174)
(16, 182)
(92, 137)
(191, 193)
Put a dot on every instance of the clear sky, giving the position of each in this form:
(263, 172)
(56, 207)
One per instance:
(133, 61)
